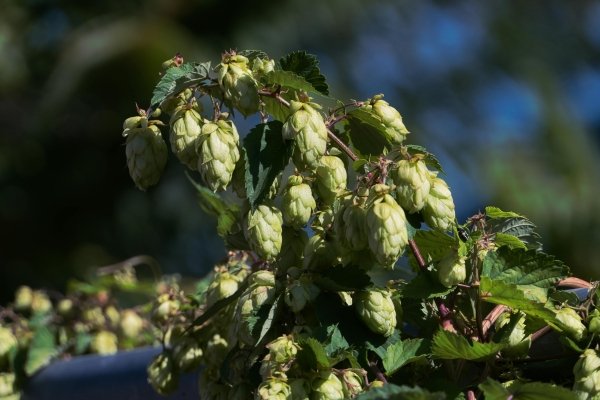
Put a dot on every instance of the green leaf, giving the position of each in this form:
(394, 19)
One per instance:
(430, 159)
(404, 352)
(82, 342)
(367, 133)
(307, 66)
(448, 345)
(271, 317)
(394, 392)
(519, 227)
(496, 213)
(425, 285)
(267, 154)
(41, 350)
(177, 79)
(493, 390)
(524, 268)
(335, 340)
(342, 278)
(433, 245)
(252, 54)
(513, 242)
(525, 391)
(289, 79)
(312, 354)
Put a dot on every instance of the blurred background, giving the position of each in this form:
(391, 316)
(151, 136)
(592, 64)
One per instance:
(505, 93)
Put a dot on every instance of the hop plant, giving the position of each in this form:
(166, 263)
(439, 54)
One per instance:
(264, 233)
(386, 228)
(439, 206)
(186, 126)
(298, 202)
(237, 83)
(376, 309)
(331, 178)
(413, 181)
(395, 130)
(307, 128)
(217, 149)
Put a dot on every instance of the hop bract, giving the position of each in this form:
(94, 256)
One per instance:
(217, 149)
(413, 181)
(376, 308)
(331, 178)
(386, 229)
(327, 387)
(439, 206)
(395, 130)
(186, 125)
(146, 155)
(274, 388)
(298, 202)
(238, 84)
(264, 233)
(306, 127)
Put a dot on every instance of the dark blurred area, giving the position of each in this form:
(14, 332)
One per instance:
(506, 94)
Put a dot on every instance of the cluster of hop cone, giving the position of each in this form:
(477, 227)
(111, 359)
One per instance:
(350, 218)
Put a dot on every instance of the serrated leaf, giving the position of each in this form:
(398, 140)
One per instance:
(519, 227)
(41, 350)
(252, 54)
(525, 391)
(513, 242)
(496, 213)
(270, 318)
(342, 278)
(394, 392)
(433, 245)
(367, 133)
(335, 340)
(307, 66)
(177, 79)
(404, 352)
(312, 354)
(430, 159)
(359, 164)
(448, 345)
(266, 154)
(524, 268)
(493, 390)
(425, 285)
(289, 79)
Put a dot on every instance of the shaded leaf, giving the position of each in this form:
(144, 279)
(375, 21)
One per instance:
(219, 305)
(519, 227)
(366, 132)
(289, 79)
(425, 285)
(266, 154)
(394, 392)
(525, 391)
(404, 352)
(496, 213)
(177, 79)
(342, 278)
(335, 340)
(307, 66)
(252, 54)
(430, 159)
(513, 242)
(312, 354)
(448, 345)
(433, 245)
(41, 350)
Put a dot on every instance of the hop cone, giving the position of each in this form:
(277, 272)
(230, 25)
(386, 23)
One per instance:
(376, 309)
(306, 126)
(223, 285)
(395, 130)
(274, 388)
(187, 354)
(586, 372)
(292, 247)
(185, 129)
(570, 321)
(283, 349)
(594, 321)
(320, 253)
(161, 375)
(327, 387)
(386, 229)
(104, 342)
(298, 202)
(146, 155)
(131, 324)
(412, 180)
(264, 233)
(353, 383)
(451, 269)
(217, 149)
(350, 225)
(331, 178)
(261, 66)
(439, 206)
(238, 84)
(8, 387)
(517, 341)
(247, 305)
(7, 342)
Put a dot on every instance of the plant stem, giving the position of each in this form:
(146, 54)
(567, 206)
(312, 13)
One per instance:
(471, 395)
(377, 372)
(444, 312)
(342, 145)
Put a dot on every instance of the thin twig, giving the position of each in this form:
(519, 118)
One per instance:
(342, 145)
(491, 318)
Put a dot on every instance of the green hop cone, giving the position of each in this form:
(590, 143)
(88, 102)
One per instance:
(300, 388)
(298, 202)
(292, 248)
(320, 252)
(238, 84)
(131, 324)
(162, 375)
(331, 178)
(438, 211)
(395, 130)
(586, 373)
(386, 229)
(247, 307)
(186, 125)
(327, 386)
(594, 322)
(40, 302)
(218, 153)
(352, 382)
(261, 66)
(513, 334)
(274, 388)
(23, 299)
(300, 292)
(187, 354)
(283, 349)
(264, 233)
(307, 128)
(216, 350)
(451, 269)
(223, 285)
(350, 224)
(146, 155)
(413, 182)
(165, 308)
(104, 342)
(376, 309)
(7, 386)
(7, 342)
(570, 321)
